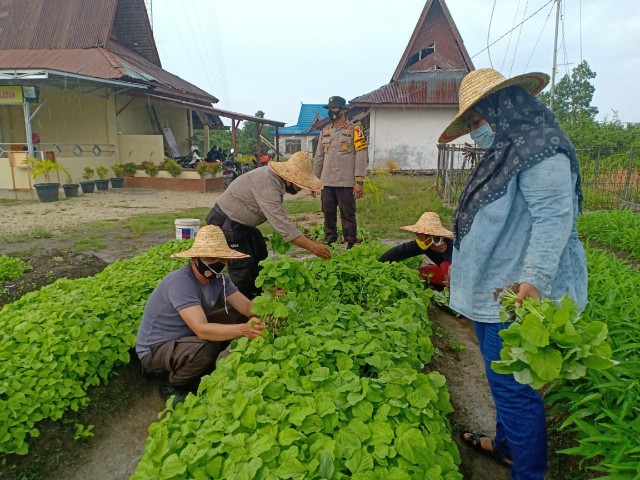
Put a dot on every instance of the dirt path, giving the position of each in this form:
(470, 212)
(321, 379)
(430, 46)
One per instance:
(132, 404)
(22, 212)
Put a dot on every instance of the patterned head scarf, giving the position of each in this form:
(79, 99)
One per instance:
(527, 133)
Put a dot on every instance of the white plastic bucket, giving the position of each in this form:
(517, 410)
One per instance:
(186, 228)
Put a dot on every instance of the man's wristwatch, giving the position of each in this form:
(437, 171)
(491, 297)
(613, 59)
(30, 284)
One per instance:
(360, 182)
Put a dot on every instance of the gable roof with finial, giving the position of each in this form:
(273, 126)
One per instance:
(432, 66)
(104, 39)
(435, 44)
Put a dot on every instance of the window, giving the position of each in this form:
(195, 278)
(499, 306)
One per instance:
(292, 145)
(416, 57)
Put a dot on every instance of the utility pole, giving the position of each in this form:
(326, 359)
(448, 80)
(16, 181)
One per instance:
(554, 67)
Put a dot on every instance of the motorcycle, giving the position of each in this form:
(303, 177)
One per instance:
(190, 161)
(231, 170)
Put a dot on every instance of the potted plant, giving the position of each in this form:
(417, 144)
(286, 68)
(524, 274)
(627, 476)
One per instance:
(70, 187)
(48, 191)
(88, 185)
(129, 169)
(102, 183)
(117, 181)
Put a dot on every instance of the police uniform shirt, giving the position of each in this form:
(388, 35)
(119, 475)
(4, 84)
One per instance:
(341, 155)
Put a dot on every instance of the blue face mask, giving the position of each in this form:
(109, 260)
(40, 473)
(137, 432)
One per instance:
(483, 136)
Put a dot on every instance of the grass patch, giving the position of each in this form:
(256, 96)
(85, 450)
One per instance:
(403, 200)
(39, 232)
(145, 222)
(89, 243)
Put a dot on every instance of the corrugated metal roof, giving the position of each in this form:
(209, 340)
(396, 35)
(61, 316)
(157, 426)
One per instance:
(104, 39)
(104, 64)
(55, 24)
(309, 112)
(425, 88)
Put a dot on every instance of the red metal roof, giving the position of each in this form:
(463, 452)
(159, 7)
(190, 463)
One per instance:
(433, 88)
(104, 39)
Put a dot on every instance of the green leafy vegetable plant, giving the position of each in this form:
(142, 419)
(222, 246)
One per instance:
(338, 393)
(12, 268)
(278, 244)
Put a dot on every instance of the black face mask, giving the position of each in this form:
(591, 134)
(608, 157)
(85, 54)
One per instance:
(211, 268)
(290, 188)
(334, 115)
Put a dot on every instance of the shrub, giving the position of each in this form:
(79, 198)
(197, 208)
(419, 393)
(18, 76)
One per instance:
(150, 168)
(130, 167)
(204, 168)
(172, 167)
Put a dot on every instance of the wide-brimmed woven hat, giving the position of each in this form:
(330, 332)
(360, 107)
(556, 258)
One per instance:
(480, 83)
(429, 224)
(210, 242)
(298, 170)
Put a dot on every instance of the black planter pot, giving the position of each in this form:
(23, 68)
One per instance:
(88, 186)
(102, 184)
(117, 182)
(71, 190)
(48, 192)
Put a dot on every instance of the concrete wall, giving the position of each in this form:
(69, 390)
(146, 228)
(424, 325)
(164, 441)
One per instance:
(408, 135)
(135, 119)
(139, 148)
(70, 118)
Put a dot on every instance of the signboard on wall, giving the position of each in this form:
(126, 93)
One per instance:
(11, 95)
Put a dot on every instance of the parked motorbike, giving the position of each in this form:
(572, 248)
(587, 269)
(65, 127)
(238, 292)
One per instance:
(190, 161)
(231, 170)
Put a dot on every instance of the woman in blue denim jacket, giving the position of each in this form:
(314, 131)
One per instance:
(515, 223)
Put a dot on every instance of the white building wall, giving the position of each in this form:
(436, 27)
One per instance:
(408, 135)
(306, 142)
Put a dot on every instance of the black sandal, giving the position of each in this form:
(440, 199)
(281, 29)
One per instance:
(475, 442)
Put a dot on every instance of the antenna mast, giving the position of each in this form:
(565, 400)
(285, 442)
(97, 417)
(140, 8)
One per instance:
(554, 67)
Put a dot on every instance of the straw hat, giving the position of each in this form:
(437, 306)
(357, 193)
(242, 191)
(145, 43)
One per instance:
(480, 83)
(298, 170)
(210, 242)
(429, 224)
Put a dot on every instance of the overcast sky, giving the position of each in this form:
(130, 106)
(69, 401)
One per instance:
(274, 55)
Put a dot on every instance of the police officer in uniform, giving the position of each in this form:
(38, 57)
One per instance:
(340, 162)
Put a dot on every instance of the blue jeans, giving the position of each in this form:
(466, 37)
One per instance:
(520, 430)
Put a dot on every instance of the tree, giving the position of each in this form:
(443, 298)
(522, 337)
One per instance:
(246, 137)
(573, 95)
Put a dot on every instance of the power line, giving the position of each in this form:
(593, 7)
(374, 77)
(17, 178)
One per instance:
(506, 50)
(507, 33)
(489, 33)
(539, 36)
(518, 40)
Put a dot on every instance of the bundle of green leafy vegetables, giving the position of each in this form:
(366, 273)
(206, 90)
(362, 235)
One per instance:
(548, 341)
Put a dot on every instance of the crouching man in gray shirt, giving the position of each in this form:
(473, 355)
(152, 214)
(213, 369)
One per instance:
(181, 336)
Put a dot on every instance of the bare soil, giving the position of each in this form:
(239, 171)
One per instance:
(122, 411)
